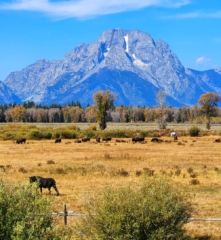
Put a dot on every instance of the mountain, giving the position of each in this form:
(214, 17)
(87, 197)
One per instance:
(7, 96)
(130, 64)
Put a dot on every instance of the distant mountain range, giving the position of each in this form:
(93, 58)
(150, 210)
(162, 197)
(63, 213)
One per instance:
(130, 64)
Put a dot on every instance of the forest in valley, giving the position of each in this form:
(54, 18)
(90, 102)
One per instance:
(29, 112)
(206, 110)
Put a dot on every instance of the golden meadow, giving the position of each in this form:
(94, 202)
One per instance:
(81, 170)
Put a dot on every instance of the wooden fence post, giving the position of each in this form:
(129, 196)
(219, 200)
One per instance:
(65, 214)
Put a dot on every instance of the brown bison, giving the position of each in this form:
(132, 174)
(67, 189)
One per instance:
(85, 139)
(57, 140)
(120, 140)
(175, 138)
(138, 139)
(155, 139)
(106, 139)
(78, 141)
(21, 140)
(98, 139)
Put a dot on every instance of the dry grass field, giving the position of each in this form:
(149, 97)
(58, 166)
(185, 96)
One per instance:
(82, 169)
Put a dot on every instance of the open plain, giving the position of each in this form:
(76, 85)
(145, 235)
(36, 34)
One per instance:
(83, 169)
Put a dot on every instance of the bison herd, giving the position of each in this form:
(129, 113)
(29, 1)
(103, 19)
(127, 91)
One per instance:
(107, 139)
(50, 182)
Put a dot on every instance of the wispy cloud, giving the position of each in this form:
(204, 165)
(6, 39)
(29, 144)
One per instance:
(196, 14)
(203, 61)
(87, 8)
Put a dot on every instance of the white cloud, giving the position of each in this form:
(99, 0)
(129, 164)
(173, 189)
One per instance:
(203, 61)
(87, 8)
(196, 14)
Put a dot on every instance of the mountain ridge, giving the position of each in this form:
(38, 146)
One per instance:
(132, 64)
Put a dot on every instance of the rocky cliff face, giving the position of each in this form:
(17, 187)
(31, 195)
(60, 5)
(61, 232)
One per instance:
(7, 96)
(128, 63)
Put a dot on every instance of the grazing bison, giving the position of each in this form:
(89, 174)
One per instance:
(57, 140)
(44, 183)
(138, 139)
(98, 139)
(120, 140)
(175, 138)
(85, 139)
(21, 140)
(106, 139)
(155, 139)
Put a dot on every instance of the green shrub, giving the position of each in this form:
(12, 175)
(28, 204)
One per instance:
(46, 135)
(24, 214)
(57, 135)
(118, 133)
(157, 209)
(9, 136)
(92, 128)
(68, 134)
(144, 133)
(40, 134)
(28, 127)
(89, 133)
(194, 131)
(70, 128)
(34, 134)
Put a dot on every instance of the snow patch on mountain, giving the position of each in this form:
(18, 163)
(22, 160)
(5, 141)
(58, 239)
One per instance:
(105, 53)
(139, 63)
(127, 45)
(218, 70)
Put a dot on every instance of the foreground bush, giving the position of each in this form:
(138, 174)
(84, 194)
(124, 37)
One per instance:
(194, 131)
(155, 210)
(24, 214)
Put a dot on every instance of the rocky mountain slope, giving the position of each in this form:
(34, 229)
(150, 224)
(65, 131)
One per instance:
(130, 64)
(7, 96)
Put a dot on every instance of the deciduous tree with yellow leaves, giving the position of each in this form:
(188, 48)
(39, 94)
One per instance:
(17, 113)
(104, 101)
(208, 103)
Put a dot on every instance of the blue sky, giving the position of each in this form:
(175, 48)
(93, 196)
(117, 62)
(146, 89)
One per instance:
(36, 29)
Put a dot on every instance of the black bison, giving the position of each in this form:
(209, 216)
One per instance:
(85, 139)
(155, 139)
(21, 140)
(120, 141)
(98, 139)
(57, 140)
(44, 183)
(138, 139)
(217, 140)
(106, 139)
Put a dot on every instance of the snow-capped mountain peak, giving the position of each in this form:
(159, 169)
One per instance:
(129, 63)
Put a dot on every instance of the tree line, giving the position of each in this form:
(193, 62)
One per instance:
(104, 111)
